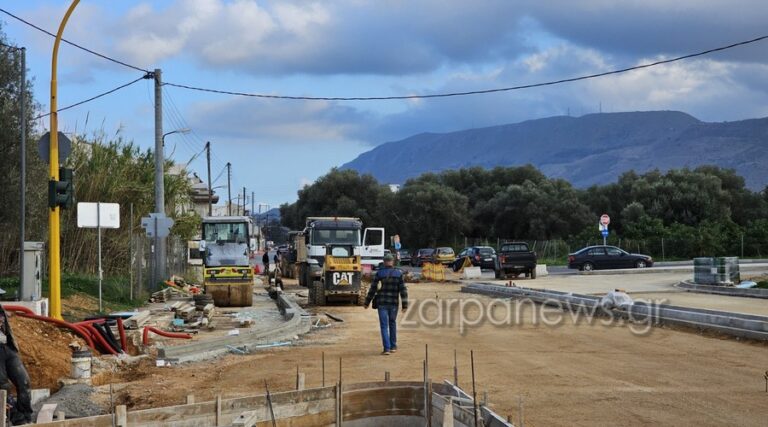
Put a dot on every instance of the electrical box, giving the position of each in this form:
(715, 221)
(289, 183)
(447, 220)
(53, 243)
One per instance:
(33, 272)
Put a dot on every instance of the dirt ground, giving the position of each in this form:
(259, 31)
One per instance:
(573, 374)
(44, 350)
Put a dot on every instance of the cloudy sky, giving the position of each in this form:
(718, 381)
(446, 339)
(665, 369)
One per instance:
(351, 48)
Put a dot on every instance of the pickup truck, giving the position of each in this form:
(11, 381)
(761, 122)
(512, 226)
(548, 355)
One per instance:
(515, 258)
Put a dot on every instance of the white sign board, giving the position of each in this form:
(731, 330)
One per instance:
(92, 215)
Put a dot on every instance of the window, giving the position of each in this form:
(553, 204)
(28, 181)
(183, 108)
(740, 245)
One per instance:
(335, 237)
(374, 237)
(225, 232)
(613, 251)
(517, 247)
(487, 251)
(445, 251)
(339, 251)
(596, 252)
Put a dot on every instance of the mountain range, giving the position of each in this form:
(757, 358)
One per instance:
(586, 150)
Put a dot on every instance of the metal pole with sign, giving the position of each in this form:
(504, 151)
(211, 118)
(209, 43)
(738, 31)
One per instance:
(603, 227)
(98, 215)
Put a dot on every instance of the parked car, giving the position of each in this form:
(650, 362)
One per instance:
(481, 256)
(445, 255)
(405, 256)
(607, 257)
(516, 258)
(421, 256)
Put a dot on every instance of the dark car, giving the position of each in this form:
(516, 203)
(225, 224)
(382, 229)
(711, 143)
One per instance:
(405, 256)
(516, 258)
(421, 256)
(607, 257)
(481, 256)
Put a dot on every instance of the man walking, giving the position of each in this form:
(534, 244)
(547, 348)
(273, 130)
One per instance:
(265, 261)
(387, 286)
(12, 369)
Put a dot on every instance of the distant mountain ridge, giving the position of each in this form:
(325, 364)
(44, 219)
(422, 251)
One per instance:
(586, 150)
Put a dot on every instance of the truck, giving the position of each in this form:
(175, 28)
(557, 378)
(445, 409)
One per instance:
(225, 246)
(330, 255)
(515, 258)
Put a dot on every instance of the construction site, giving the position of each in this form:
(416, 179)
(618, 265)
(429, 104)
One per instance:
(436, 248)
(285, 361)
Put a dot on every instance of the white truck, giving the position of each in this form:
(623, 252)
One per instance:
(335, 234)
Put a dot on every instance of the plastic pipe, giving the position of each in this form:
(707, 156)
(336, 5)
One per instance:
(121, 329)
(75, 328)
(162, 333)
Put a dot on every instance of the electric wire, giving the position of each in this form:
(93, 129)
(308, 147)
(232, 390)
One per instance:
(93, 98)
(92, 52)
(472, 92)
(400, 97)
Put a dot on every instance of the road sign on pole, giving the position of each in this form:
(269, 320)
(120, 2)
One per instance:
(98, 215)
(605, 220)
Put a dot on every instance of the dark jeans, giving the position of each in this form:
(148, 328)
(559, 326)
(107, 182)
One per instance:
(388, 325)
(11, 368)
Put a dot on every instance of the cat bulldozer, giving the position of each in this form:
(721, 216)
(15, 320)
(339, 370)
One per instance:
(340, 279)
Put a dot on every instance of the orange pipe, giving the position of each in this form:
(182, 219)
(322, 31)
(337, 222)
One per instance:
(162, 333)
(123, 340)
(18, 309)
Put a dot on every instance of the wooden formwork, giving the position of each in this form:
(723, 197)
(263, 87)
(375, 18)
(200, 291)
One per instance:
(324, 406)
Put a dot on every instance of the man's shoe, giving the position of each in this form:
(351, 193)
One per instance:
(394, 350)
(385, 353)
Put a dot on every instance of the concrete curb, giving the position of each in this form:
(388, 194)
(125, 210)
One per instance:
(689, 286)
(730, 323)
(297, 322)
(681, 269)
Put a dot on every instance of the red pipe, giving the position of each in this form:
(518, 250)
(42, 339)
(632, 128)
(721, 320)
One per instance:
(148, 329)
(100, 339)
(77, 329)
(90, 322)
(123, 340)
(18, 309)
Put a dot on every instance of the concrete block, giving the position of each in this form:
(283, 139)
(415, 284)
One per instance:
(472, 273)
(39, 394)
(40, 307)
(541, 270)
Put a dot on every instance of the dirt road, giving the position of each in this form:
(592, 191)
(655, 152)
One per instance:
(567, 375)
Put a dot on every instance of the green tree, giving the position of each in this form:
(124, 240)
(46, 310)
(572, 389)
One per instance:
(36, 176)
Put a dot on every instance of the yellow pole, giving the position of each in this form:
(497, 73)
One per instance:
(53, 217)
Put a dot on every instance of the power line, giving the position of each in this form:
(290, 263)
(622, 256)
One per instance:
(100, 55)
(147, 76)
(473, 92)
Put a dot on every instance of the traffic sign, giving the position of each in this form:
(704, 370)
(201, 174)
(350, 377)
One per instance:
(44, 147)
(157, 223)
(605, 220)
(605, 232)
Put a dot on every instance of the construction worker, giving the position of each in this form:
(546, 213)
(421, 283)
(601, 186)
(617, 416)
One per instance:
(12, 368)
(388, 284)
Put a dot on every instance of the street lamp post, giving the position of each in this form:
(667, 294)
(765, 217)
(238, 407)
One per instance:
(54, 231)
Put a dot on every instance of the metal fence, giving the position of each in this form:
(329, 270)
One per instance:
(142, 268)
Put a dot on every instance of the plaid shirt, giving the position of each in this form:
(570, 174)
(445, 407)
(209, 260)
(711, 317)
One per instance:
(392, 285)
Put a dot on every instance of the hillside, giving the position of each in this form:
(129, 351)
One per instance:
(586, 150)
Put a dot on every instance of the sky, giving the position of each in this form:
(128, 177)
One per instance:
(354, 48)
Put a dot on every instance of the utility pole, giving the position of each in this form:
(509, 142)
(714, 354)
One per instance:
(229, 189)
(210, 190)
(243, 201)
(23, 179)
(160, 261)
